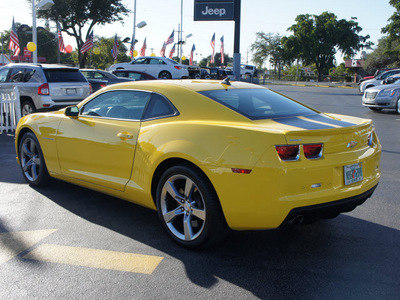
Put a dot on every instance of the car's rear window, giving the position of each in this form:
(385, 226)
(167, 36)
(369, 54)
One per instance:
(257, 104)
(64, 75)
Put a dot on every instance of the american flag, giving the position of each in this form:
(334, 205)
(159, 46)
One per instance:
(171, 53)
(222, 51)
(170, 40)
(191, 55)
(114, 50)
(14, 43)
(132, 46)
(162, 52)
(213, 47)
(88, 44)
(61, 46)
(143, 50)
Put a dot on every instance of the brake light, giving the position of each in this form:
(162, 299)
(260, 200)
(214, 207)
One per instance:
(44, 89)
(90, 88)
(177, 67)
(288, 152)
(312, 151)
(102, 85)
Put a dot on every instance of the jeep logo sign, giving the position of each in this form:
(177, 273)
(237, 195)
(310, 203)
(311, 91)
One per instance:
(208, 10)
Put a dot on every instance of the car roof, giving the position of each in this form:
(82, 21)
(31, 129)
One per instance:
(194, 85)
(44, 66)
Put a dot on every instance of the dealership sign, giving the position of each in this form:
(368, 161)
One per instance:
(213, 10)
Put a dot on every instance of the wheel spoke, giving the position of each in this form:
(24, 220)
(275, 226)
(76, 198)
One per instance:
(171, 215)
(187, 227)
(199, 213)
(26, 151)
(189, 187)
(171, 189)
(35, 171)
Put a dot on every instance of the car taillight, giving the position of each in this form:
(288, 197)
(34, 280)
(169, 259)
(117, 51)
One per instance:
(44, 89)
(103, 85)
(177, 67)
(288, 152)
(312, 151)
(90, 88)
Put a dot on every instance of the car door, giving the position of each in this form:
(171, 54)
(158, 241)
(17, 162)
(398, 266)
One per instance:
(99, 146)
(140, 64)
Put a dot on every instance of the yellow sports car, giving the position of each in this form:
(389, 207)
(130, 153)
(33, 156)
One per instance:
(207, 155)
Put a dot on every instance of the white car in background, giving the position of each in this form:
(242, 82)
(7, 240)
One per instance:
(159, 67)
(377, 80)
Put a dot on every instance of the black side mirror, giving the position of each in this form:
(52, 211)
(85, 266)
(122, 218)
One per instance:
(72, 111)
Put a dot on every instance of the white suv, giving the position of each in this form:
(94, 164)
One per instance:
(43, 86)
(158, 67)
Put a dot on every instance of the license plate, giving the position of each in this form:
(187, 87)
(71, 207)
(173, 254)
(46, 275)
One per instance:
(71, 91)
(353, 173)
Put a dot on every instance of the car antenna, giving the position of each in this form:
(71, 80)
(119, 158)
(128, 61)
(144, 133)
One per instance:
(226, 81)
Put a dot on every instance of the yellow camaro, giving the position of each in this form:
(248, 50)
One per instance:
(207, 155)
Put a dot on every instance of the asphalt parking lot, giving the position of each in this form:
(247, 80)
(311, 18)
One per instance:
(66, 242)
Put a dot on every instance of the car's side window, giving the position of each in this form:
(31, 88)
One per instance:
(28, 74)
(159, 107)
(17, 75)
(140, 61)
(127, 105)
(98, 75)
(3, 74)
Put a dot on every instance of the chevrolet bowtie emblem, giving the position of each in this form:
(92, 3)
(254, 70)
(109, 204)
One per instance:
(352, 144)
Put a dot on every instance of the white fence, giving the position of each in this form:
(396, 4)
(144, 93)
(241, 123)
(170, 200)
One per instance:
(10, 110)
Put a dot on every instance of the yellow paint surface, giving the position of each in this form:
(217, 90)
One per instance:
(13, 243)
(94, 258)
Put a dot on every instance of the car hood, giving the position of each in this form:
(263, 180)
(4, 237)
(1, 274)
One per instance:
(382, 87)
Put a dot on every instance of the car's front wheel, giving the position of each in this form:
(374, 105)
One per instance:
(189, 209)
(165, 75)
(32, 161)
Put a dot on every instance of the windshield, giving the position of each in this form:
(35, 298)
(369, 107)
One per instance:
(257, 104)
(64, 75)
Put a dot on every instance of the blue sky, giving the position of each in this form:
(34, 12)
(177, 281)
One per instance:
(162, 16)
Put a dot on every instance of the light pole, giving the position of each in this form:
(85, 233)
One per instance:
(140, 25)
(44, 4)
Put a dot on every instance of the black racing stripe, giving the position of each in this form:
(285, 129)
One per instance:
(326, 119)
(296, 122)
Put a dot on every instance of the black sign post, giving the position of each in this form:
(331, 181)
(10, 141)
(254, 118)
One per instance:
(222, 10)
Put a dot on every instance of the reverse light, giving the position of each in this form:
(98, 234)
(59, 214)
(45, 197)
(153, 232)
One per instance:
(44, 89)
(312, 151)
(288, 152)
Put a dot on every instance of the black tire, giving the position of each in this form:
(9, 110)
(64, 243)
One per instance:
(32, 161)
(189, 209)
(165, 75)
(27, 107)
(207, 77)
(197, 76)
(375, 108)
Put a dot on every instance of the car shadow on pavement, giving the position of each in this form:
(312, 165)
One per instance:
(341, 258)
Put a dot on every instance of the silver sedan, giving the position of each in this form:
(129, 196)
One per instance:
(383, 97)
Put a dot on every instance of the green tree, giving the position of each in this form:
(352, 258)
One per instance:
(268, 45)
(74, 15)
(206, 61)
(384, 55)
(46, 41)
(104, 59)
(316, 39)
(392, 29)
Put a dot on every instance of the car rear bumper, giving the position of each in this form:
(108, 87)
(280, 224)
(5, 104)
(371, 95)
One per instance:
(308, 214)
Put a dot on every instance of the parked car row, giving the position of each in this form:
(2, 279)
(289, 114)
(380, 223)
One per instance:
(382, 92)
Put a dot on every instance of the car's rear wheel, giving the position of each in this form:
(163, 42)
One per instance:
(32, 161)
(27, 107)
(398, 106)
(189, 209)
(165, 75)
